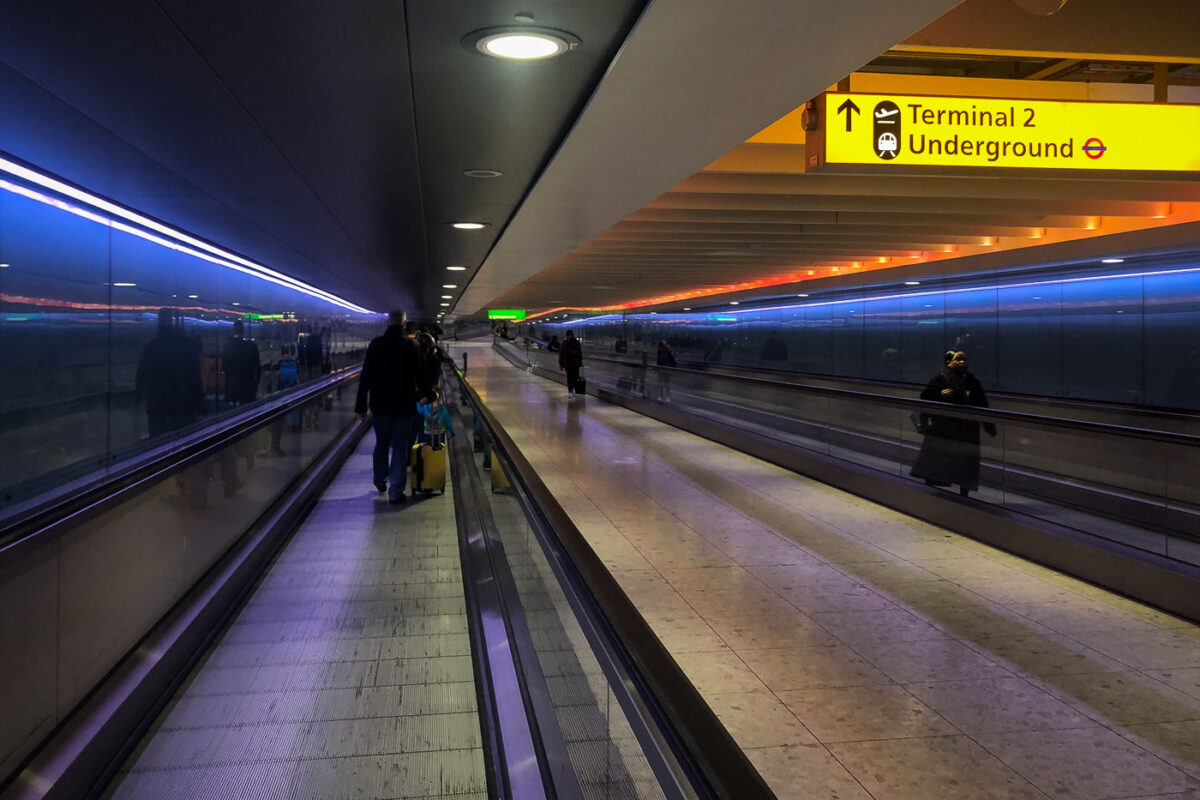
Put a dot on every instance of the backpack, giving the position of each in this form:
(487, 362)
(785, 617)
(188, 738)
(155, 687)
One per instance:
(289, 374)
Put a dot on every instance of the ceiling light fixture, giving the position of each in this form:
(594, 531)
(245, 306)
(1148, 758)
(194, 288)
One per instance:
(1112, 261)
(482, 173)
(447, 297)
(444, 305)
(449, 285)
(469, 226)
(193, 297)
(521, 42)
(5, 266)
(456, 269)
(124, 284)
(912, 283)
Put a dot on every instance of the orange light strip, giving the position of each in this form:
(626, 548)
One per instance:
(795, 277)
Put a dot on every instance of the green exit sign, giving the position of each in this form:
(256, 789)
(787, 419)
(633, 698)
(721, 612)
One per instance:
(506, 313)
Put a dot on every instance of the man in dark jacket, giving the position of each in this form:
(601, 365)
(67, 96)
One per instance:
(388, 386)
(570, 358)
(242, 366)
(169, 379)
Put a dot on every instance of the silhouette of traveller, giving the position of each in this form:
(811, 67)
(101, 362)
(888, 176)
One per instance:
(169, 379)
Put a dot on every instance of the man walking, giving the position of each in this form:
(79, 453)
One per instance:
(388, 386)
(570, 358)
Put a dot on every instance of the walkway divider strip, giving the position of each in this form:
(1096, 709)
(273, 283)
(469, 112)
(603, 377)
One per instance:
(697, 757)
(523, 745)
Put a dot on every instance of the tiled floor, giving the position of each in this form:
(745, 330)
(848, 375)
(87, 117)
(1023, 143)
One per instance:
(855, 652)
(346, 675)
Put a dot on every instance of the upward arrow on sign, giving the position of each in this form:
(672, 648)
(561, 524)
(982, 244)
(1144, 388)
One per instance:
(850, 109)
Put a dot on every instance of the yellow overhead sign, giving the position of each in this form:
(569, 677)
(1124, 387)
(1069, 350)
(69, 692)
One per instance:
(904, 130)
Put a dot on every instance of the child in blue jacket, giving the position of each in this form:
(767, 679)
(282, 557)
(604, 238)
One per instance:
(435, 418)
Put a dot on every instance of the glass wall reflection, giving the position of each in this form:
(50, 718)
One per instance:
(115, 340)
(1129, 338)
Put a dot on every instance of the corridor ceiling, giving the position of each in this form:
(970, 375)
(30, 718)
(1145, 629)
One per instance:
(330, 141)
(753, 218)
(325, 140)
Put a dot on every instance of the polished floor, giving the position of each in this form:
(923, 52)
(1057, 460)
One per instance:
(852, 651)
(347, 673)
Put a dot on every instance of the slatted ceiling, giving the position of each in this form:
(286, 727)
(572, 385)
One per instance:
(718, 216)
(772, 158)
(886, 203)
(942, 186)
(631, 231)
(754, 217)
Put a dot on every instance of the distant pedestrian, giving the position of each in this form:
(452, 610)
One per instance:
(950, 452)
(665, 358)
(570, 358)
(553, 345)
(388, 387)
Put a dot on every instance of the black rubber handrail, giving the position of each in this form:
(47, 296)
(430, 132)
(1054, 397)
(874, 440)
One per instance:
(946, 409)
(520, 733)
(706, 751)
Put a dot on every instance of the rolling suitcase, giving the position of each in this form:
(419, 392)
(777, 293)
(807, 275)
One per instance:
(499, 479)
(427, 463)
(581, 385)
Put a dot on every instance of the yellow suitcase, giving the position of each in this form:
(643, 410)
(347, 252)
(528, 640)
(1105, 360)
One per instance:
(428, 468)
(499, 479)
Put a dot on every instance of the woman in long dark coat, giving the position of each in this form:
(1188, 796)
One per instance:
(950, 452)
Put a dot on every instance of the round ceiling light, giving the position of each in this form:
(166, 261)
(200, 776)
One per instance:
(469, 226)
(482, 173)
(449, 285)
(522, 42)
(444, 305)
(447, 297)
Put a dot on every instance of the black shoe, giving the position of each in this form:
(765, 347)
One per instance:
(397, 500)
(381, 486)
(963, 491)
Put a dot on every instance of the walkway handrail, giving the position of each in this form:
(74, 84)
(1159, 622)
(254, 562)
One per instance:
(941, 409)
(711, 761)
(89, 496)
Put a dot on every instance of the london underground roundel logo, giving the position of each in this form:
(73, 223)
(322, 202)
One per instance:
(1093, 148)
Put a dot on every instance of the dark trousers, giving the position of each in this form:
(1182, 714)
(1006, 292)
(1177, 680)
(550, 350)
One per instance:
(393, 437)
(572, 377)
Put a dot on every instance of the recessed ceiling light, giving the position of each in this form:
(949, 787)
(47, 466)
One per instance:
(124, 284)
(1112, 261)
(193, 297)
(456, 269)
(522, 42)
(468, 226)
(237, 304)
(482, 173)
(449, 285)
(687, 308)
(447, 297)
(5, 266)
(912, 283)
(801, 295)
(733, 302)
(444, 305)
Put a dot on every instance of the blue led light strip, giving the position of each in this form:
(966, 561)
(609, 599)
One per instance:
(171, 238)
